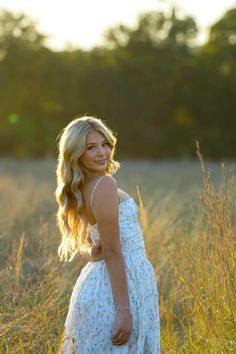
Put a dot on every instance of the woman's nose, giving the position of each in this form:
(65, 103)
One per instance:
(101, 151)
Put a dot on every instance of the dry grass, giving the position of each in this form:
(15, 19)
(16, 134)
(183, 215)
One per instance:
(188, 220)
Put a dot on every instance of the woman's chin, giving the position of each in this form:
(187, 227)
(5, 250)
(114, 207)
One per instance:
(100, 168)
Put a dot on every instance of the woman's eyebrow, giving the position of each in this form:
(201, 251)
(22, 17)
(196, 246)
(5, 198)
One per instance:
(96, 143)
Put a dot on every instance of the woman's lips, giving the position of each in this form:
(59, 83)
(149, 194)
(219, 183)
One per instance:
(102, 160)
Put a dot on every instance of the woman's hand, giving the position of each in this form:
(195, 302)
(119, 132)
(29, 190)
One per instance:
(123, 328)
(96, 251)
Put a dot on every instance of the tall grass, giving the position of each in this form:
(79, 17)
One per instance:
(200, 306)
(188, 220)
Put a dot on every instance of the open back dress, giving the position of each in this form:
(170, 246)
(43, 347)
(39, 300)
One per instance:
(91, 318)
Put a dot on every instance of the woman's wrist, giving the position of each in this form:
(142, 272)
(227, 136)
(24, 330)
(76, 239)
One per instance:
(123, 308)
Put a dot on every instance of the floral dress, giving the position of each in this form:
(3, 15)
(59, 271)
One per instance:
(91, 317)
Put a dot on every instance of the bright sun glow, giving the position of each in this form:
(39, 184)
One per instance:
(82, 24)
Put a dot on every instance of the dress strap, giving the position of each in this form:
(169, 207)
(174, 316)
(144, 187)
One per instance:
(91, 199)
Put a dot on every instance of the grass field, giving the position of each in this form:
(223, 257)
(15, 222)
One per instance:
(189, 226)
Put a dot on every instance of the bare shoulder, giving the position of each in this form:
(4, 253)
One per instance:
(105, 198)
(109, 180)
(106, 211)
(106, 187)
(90, 184)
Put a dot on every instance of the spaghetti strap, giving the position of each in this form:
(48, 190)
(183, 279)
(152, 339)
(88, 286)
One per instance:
(91, 199)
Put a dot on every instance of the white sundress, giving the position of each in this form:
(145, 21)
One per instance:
(91, 317)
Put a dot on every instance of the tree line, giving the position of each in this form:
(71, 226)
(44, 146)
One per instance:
(151, 84)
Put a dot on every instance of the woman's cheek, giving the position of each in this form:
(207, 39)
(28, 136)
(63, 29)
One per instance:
(108, 150)
(89, 154)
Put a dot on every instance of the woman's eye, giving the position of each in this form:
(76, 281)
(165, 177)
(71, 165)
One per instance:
(91, 147)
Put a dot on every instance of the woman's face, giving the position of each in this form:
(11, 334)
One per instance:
(96, 154)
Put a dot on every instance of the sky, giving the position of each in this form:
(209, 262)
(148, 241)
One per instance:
(76, 23)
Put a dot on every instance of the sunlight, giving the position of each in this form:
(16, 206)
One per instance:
(82, 24)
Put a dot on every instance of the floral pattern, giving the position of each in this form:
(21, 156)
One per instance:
(91, 317)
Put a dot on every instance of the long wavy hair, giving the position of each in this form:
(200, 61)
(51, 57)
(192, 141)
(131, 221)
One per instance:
(71, 176)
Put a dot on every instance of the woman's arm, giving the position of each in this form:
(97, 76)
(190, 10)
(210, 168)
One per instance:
(106, 212)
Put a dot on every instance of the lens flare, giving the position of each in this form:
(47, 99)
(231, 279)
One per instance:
(13, 118)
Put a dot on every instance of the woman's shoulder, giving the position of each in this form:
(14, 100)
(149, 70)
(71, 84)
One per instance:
(106, 179)
(93, 182)
(103, 186)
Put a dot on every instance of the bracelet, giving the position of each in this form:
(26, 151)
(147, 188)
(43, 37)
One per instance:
(122, 308)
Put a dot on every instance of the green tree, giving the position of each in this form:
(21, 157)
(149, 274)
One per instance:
(151, 57)
(216, 95)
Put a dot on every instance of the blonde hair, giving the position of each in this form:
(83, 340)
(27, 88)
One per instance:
(70, 176)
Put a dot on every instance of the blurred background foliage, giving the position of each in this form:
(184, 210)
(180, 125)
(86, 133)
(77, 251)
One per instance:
(151, 84)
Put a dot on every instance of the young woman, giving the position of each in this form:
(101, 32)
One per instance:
(114, 304)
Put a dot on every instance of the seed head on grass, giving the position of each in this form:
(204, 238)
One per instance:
(18, 259)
